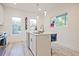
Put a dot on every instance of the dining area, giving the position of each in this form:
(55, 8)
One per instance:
(3, 39)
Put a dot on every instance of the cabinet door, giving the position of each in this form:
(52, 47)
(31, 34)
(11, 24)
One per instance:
(43, 45)
(34, 45)
(31, 42)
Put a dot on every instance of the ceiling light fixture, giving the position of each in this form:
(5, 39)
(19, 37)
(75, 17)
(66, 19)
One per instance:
(39, 9)
(45, 13)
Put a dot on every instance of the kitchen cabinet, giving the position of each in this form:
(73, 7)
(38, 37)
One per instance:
(1, 14)
(40, 44)
(33, 44)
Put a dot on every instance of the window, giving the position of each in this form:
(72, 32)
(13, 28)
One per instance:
(16, 25)
(61, 20)
(32, 24)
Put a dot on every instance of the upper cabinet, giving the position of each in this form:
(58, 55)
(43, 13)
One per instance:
(1, 14)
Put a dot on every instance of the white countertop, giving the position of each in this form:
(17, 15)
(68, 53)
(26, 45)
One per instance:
(44, 33)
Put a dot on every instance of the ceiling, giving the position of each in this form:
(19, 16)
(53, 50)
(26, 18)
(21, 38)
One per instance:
(32, 7)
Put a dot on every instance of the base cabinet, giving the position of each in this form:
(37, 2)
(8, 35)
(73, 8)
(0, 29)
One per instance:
(33, 44)
(40, 45)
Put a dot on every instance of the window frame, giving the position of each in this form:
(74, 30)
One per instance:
(14, 24)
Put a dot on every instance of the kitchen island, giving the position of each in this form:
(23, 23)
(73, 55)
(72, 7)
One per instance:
(39, 44)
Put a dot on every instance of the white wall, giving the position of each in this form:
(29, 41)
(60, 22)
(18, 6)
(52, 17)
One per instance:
(68, 36)
(1, 17)
(1, 13)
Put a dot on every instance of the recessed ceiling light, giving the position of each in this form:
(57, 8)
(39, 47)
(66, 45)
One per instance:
(14, 3)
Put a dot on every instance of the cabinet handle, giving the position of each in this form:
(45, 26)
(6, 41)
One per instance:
(31, 39)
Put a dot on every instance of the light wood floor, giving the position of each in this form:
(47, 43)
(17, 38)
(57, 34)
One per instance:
(58, 50)
(17, 49)
(20, 49)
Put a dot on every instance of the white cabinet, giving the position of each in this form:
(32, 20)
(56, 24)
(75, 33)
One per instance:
(1, 14)
(40, 45)
(33, 44)
(43, 45)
